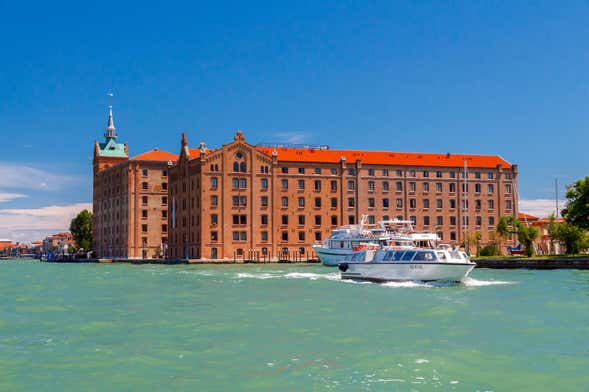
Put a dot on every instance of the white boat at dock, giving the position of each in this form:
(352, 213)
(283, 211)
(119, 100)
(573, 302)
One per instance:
(348, 239)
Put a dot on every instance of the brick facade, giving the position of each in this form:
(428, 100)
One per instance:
(228, 202)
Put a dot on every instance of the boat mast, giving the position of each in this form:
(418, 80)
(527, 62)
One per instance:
(465, 209)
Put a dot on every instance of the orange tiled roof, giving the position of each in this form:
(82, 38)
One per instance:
(156, 155)
(385, 158)
(524, 216)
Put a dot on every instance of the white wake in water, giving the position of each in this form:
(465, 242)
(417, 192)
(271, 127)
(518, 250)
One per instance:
(335, 276)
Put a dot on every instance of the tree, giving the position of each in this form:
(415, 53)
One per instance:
(509, 225)
(527, 235)
(573, 237)
(81, 229)
(576, 211)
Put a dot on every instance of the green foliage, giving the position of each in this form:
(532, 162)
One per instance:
(490, 250)
(577, 210)
(574, 238)
(81, 229)
(509, 225)
(527, 235)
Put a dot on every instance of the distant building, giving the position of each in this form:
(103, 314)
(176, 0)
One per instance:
(242, 199)
(130, 199)
(544, 244)
(5, 247)
(60, 243)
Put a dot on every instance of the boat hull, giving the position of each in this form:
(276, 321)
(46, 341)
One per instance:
(399, 271)
(331, 257)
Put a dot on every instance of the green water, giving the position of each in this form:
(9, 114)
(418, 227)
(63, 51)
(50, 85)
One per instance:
(85, 327)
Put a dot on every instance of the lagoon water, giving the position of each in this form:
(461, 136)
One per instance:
(84, 327)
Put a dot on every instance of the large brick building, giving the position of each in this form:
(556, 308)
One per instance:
(130, 199)
(242, 199)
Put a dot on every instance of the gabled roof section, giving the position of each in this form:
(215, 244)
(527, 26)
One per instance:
(286, 154)
(156, 155)
(524, 216)
(110, 148)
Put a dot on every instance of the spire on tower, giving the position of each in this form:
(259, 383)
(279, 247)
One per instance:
(110, 128)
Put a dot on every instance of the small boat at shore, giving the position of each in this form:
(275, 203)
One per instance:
(425, 265)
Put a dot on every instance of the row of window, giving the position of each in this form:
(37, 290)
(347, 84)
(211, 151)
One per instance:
(145, 172)
(241, 183)
(144, 214)
(144, 200)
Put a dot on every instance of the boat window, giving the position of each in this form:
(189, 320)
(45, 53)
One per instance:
(424, 256)
(408, 255)
(359, 256)
(399, 255)
(389, 256)
(455, 254)
(442, 255)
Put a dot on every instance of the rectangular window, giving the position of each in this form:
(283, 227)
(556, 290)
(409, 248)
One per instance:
(264, 236)
(452, 221)
(284, 236)
(385, 186)
(477, 204)
(214, 236)
(425, 203)
(426, 220)
(334, 220)
(385, 203)
(242, 200)
(399, 203)
(214, 219)
(452, 187)
(164, 173)
(301, 235)
(334, 172)
(164, 213)
(440, 220)
(235, 236)
(144, 172)
(264, 219)
(490, 176)
(264, 201)
(214, 182)
(398, 186)
(479, 221)
(301, 202)
(399, 173)
(370, 172)
(351, 219)
(164, 186)
(144, 213)
(333, 185)
(317, 220)
(144, 200)
(439, 203)
(371, 202)
(333, 202)
(284, 219)
(412, 187)
(411, 173)
(317, 202)
(507, 188)
(490, 188)
(385, 172)
(301, 219)
(164, 200)
(284, 184)
(351, 172)
(284, 202)
(491, 220)
(426, 186)
(426, 173)
(439, 187)
(508, 204)
(243, 235)
(317, 185)
(144, 228)
(477, 188)
(264, 183)
(284, 170)
(438, 174)
(317, 236)
(452, 174)
(301, 184)
(317, 170)
(351, 185)
(370, 185)
(144, 185)
(491, 204)
(452, 203)
(351, 202)
(412, 203)
(235, 201)
(301, 170)
(164, 228)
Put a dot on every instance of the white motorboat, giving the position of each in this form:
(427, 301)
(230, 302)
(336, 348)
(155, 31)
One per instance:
(346, 240)
(385, 265)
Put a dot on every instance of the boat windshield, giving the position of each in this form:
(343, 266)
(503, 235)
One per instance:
(358, 256)
(408, 255)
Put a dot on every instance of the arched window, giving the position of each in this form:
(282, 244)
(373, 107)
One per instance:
(235, 166)
(242, 167)
(301, 251)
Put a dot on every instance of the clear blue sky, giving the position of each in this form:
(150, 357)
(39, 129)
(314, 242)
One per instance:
(508, 78)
